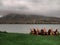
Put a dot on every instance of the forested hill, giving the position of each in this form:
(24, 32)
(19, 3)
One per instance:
(28, 19)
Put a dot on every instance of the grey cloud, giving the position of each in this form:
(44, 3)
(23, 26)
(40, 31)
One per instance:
(45, 7)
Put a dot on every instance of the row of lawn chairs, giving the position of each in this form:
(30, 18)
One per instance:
(44, 32)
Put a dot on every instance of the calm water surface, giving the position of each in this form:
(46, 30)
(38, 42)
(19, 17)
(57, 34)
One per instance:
(25, 28)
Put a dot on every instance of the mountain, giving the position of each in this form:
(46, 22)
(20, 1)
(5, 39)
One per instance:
(28, 19)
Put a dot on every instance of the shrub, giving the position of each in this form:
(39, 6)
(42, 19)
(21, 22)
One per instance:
(3, 31)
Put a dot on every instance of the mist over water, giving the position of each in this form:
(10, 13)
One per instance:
(25, 28)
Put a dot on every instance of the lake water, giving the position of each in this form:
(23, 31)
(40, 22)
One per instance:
(25, 28)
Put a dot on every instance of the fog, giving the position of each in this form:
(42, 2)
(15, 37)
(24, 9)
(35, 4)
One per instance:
(38, 7)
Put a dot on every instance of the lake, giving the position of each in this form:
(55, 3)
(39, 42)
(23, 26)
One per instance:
(25, 28)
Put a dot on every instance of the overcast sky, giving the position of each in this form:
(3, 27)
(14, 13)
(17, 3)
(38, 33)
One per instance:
(39, 7)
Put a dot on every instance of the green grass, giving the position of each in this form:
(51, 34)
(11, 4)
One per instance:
(27, 39)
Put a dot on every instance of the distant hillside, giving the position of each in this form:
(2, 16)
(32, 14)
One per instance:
(28, 19)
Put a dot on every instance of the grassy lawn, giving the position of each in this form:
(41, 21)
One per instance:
(27, 39)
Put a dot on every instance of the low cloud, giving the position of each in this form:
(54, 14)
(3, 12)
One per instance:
(33, 6)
